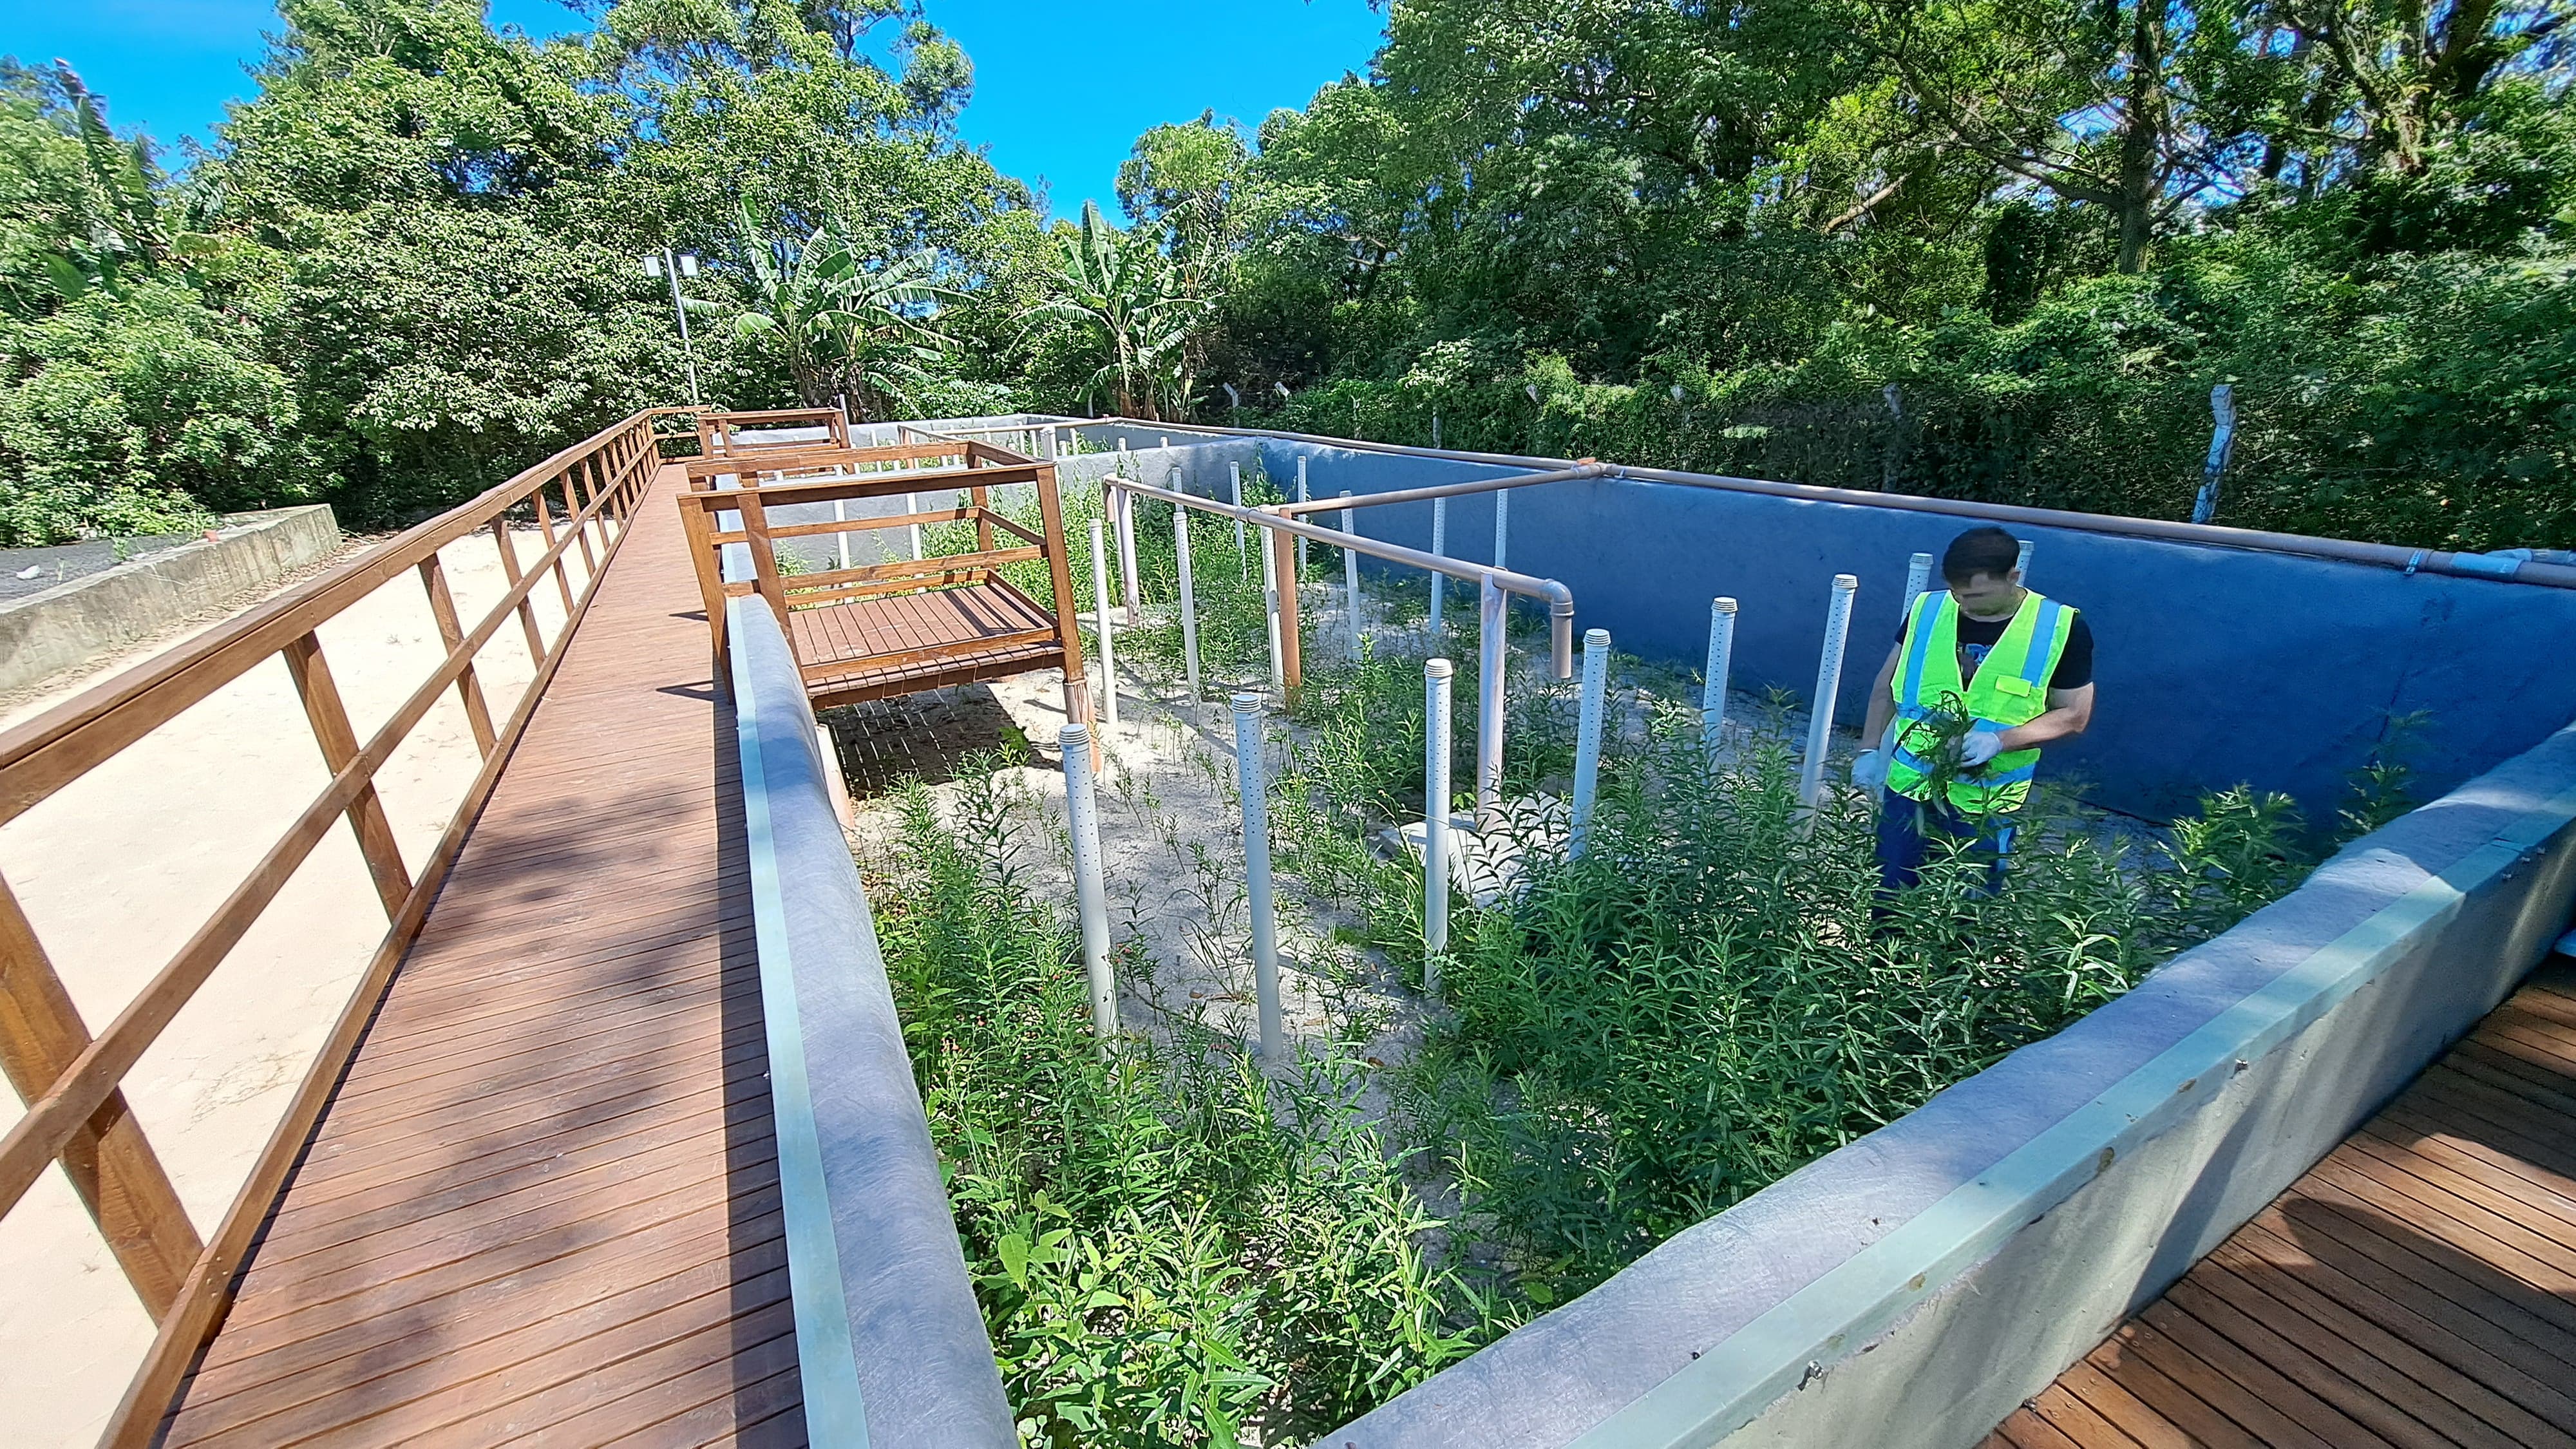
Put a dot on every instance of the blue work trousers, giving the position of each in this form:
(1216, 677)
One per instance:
(1903, 842)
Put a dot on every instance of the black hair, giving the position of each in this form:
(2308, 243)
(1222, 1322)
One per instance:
(1988, 550)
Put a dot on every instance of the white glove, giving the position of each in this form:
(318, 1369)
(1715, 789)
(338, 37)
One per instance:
(1979, 747)
(1869, 771)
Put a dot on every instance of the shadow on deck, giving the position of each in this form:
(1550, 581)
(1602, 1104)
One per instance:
(544, 1201)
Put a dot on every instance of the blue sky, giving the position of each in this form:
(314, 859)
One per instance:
(1061, 90)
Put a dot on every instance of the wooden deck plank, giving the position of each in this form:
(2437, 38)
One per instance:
(2416, 1287)
(544, 1202)
(966, 623)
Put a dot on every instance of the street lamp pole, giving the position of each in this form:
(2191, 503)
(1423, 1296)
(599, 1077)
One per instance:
(665, 263)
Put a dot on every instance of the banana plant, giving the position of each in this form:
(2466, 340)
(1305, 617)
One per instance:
(1122, 284)
(847, 323)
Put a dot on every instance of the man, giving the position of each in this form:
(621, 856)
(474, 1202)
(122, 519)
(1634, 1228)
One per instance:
(1980, 678)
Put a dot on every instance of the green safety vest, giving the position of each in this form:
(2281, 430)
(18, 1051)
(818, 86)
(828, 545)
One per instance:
(2010, 688)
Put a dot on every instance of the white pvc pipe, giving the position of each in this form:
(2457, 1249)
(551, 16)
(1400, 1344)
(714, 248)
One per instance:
(1189, 598)
(1435, 820)
(1100, 614)
(1502, 528)
(1918, 577)
(2021, 562)
(1091, 895)
(841, 514)
(1490, 625)
(1270, 606)
(1587, 736)
(1351, 582)
(1829, 678)
(1251, 783)
(1301, 497)
(1721, 658)
(1440, 546)
(912, 531)
(1234, 495)
(1125, 504)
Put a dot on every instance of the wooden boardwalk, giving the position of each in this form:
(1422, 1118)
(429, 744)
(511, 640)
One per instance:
(544, 1204)
(2418, 1288)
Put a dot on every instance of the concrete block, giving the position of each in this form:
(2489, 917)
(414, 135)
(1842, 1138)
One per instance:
(87, 618)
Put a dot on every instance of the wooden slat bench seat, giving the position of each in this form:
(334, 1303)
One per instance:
(893, 644)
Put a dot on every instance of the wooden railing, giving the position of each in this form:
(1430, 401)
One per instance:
(789, 479)
(77, 1114)
(716, 430)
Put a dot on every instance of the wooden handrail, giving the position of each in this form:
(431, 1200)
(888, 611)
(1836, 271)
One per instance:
(76, 1112)
(987, 468)
(815, 459)
(715, 427)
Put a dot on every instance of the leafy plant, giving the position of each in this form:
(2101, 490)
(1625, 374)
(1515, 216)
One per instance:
(1170, 1247)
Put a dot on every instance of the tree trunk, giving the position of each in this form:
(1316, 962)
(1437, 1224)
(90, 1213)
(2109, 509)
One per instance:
(2141, 124)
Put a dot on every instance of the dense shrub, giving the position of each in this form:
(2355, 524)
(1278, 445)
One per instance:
(2423, 400)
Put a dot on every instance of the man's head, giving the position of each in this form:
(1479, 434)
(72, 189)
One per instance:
(1980, 569)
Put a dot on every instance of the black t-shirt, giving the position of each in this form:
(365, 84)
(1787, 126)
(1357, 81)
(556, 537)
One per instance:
(1977, 637)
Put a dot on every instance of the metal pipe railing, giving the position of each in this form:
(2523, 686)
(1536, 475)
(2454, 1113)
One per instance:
(1453, 490)
(1558, 598)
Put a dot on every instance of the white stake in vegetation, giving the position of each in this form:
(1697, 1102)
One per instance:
(1251, 783)
(1435, 820)
(1918, 577)
(1491, 624)
(1270, 606)
(1829, 678)
(1126, 516)
(1301, 498)
(1587, 736)
(1091, 895)
(1351, 579)
(1234, 495)
(1440, 546)
(1712, 689)
(1100, 617)
(1189, 598)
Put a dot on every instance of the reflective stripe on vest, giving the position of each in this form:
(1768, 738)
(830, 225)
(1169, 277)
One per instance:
(2010, 688)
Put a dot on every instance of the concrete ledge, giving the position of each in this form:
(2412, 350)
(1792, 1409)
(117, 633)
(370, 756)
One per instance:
(63, 628)
(889, 1341)
(1912, 1288)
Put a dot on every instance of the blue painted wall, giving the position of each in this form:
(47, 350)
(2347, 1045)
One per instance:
(2215, 666)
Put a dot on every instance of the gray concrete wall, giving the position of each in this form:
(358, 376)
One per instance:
(1912, 1288)
(63, 628)
(890, 1344)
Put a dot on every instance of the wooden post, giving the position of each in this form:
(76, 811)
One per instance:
(108, 1161)
(1283, 552)
(983, 499)
(510, 570)
(764, 558)
(1068, 632)
(579, 525)
(546, 523)
(698, 522)
(469, 689)
(339, 747)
